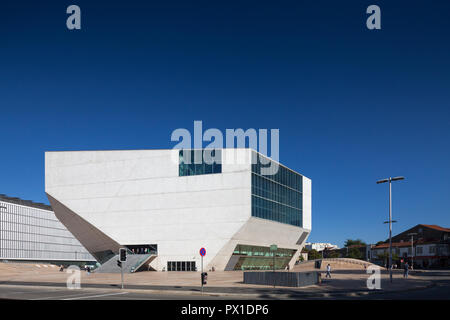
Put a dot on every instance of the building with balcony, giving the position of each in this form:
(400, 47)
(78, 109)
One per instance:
(427, 245)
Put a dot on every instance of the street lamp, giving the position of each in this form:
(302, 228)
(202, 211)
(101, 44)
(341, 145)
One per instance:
(390, 221)
(412, 234)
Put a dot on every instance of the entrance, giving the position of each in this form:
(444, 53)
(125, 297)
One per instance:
(143, 248)
(181, 266)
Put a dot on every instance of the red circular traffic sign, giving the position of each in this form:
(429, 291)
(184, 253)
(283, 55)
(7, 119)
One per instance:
(202, 252)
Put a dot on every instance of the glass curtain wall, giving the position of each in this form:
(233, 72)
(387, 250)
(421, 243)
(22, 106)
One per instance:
(277, 197)
(261, 258)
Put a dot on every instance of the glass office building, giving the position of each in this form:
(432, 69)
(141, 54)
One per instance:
(30, 231)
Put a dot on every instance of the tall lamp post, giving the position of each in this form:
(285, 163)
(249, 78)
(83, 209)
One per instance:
(390, 221)
(412, 234)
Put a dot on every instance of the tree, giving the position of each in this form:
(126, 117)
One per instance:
(354, 253)
(357, 242)
(331, 254)
(314, 254)
(385, 257)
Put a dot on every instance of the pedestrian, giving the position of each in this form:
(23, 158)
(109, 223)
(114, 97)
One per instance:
(405, 273)
(328, 271)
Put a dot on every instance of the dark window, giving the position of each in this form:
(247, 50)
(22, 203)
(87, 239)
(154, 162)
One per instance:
(198, 162)
(181, 266)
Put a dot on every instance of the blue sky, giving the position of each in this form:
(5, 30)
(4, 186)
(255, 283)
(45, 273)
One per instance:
(352, 105)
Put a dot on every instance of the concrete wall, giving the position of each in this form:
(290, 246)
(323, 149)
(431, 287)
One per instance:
(284, 279)
(307, 205)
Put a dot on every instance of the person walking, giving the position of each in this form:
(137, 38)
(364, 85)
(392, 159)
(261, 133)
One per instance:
(405, 273)
(328, 271)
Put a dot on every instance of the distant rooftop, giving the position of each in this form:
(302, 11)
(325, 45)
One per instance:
(27, 203)
(436, 227)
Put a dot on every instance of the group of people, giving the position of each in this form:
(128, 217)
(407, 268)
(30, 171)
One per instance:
(87, 269)
(405, 271)
(141, 250)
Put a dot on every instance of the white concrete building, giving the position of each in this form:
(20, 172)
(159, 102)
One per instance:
(156, 200)
(318, 246)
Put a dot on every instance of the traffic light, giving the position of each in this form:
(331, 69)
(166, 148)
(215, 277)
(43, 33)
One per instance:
(119, 264)
(204, 277)
(123, 254)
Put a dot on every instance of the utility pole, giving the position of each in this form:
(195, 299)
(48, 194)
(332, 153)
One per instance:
(390, 221)
(412, 234)
(274, 249)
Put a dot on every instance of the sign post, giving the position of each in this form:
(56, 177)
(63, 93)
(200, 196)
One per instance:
(122, 259)
(202, 254)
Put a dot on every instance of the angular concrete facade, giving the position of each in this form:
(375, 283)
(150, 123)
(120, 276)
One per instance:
(109, 199)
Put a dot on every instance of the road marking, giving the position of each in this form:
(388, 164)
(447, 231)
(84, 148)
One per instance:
(59, 297)
(97, 296)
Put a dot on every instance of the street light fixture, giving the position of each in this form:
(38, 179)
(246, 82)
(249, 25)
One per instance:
(390, 221)
(412, 234)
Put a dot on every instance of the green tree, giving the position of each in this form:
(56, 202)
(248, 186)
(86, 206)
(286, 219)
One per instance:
(351, 242)
(332, 254)
(354, 253)
(314, 254)
(385, 257)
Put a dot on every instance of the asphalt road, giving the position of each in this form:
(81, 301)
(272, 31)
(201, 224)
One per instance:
(52, 293)
(440, 290)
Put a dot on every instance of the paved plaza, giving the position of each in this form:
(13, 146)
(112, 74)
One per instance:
(347, 281)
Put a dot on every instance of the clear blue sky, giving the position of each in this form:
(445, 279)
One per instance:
(352, 105)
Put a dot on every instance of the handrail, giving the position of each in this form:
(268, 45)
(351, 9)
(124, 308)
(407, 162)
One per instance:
(339, 260)
(139, 263)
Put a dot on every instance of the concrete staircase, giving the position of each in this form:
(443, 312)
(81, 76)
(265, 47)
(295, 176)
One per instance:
(134, 263)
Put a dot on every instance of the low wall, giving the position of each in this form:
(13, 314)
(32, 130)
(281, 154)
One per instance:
(283, 279)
